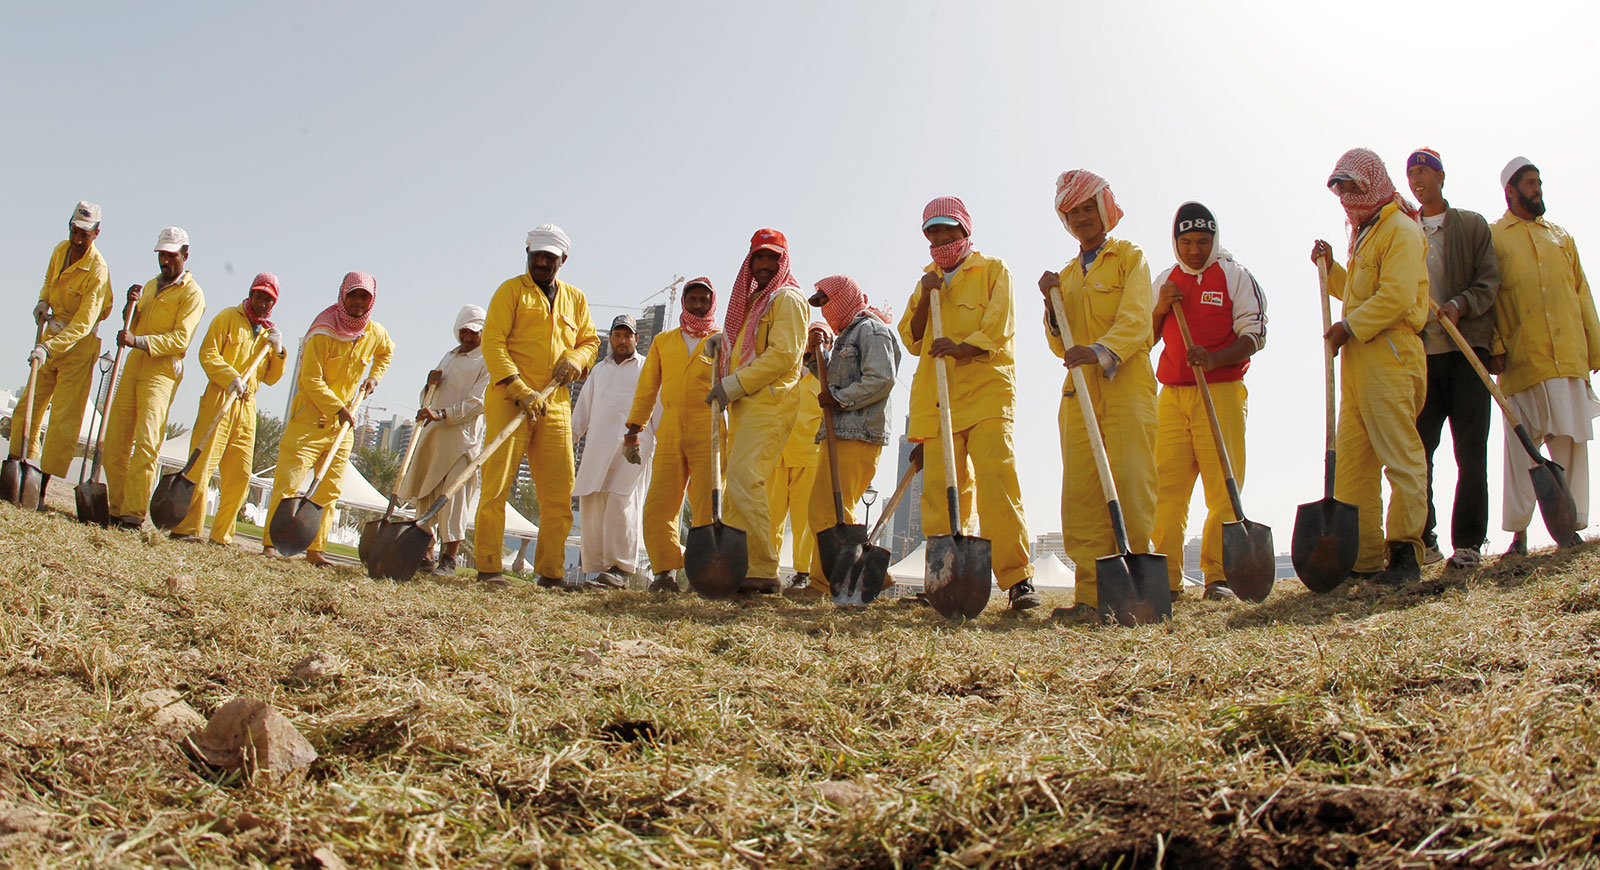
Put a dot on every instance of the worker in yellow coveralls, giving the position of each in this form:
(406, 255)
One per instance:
(343, 358)
(167, 310)
(230, 343)
(764, 332)
(975, 308)
(75, 297)
(677, 374)
(789, 489)
(538, 332)
(1384, 367)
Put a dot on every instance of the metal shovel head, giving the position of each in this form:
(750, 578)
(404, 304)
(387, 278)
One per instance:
(294, 525)
(1556, 506)
(1248, 562)
(400, 551)
(170, 502)
(837, 547)
(374, 535)
(10, 479)
(94, 505)
(862, 580)
(1133, 588)
(716, 558)
(30, 485)
(960, 568)
(1327, 538)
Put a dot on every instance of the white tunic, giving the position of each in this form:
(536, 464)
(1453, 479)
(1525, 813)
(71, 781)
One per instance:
(601, 414)
(445, 446)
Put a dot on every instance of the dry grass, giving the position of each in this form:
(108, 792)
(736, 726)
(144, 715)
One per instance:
(1455, 725)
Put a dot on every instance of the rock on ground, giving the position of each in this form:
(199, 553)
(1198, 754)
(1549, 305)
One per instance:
(248, 733)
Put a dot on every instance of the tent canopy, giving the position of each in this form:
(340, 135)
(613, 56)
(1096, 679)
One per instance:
(1049, 570)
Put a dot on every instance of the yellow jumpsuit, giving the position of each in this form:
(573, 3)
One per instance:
(331, 371)
(1185, 449)
(1383, 379)
(524, 336)
(228, 345)
(136, 426)
(1109, 306)
(975, 309)
(760, 420)
(80, 297)
(791, 485)
(682, 458)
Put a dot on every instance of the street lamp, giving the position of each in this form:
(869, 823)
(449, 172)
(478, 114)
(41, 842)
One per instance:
(867, 498)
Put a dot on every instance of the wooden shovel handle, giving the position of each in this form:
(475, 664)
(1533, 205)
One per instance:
(472, 467)
(111, 388)
(327, 458)
(228, 400)
(1211, 409)
(947, 438)
(1329, 415)
(716, 439)
(27, 396)
(894, 500)
(828, 436)
(1080, 384)
(411, 446)
(1477, 364)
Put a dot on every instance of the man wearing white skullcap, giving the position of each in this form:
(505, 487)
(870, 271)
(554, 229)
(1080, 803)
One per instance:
(1547, 343)
(537, 333)
(449, 433)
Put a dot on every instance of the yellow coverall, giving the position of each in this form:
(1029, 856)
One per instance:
(683, 442)
(137, 424)
(1109, 306)
(858, 462)
(791, 485)
(229, 343)
(524, 336)
(1185, 450)
(760, 419)
(975, 309)
(80, 297)
(1382, 382)
(331, 371)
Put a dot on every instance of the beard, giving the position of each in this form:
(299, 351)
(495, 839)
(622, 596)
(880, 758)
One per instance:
(1534, 207)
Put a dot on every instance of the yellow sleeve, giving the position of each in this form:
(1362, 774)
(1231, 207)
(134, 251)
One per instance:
(51, 270)
(998, 327)
(319, 350)
(383, 355)
(588, 345)
(1402, 268)
(1591, 323)
(1130, 334)
(176, 342)
(83, 320)
(786, 338)
(644, 395)
(496, 328)
(913, 346)
(212, 362)
(271, 368)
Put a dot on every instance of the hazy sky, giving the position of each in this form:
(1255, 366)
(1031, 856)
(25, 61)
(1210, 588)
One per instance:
(420, 145)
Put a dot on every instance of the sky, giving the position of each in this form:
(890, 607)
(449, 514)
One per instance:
(421, 143)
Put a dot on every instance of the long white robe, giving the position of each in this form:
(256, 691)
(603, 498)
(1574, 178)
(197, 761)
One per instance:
(444, 447)
(610, 489)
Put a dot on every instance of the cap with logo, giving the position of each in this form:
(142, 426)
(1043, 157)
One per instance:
(172, 240)
(86, 215)
(627, 321)
(768, 240)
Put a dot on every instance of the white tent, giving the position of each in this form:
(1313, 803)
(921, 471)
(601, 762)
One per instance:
(914, 567)
(1049, 570)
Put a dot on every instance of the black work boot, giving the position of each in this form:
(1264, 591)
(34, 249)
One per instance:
(664, 582)
(1403, 567)
(1023, 596)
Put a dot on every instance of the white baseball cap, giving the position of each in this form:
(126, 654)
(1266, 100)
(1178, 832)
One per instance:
(172, 240)
(86, 215)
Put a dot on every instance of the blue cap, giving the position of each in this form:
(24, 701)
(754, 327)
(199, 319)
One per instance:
(940, 220)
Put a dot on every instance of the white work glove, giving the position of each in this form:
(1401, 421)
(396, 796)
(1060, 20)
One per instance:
(725, 392)
(38, 355)
(236, 388)
(713, 343)
(41, 312)
(630, 452)
(564, 372)
(275, 338)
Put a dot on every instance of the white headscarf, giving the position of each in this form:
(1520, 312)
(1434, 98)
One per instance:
(545, 236)
(470, 317)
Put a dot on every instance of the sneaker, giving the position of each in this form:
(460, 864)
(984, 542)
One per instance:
(1219, 592)
(1431, 554)
(1403, 567)
(664, 582)
(496, 579)
(800, 580)
(1519, 545)
(1465, 558)
(427, 563)
(1023, 596)
(611, 578)
(446, 566)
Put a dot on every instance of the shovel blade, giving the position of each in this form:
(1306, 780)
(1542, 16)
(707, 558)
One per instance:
(371, 533)
(837, 548)
(1133, 588)
(1556, 505)
(716, 559)
(170, 502)
(10, 479)
(863, 579)
(960, 568)
(94, 505)
(30, 486)
(398, 551)
(1327, 539)
(1248, 561)
(294, 525)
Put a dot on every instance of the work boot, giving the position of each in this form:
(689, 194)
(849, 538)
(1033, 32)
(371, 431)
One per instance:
(610, 578)
(1219, 592)
(1519, 545)
(446, 566)
(131, 524)
(427, 562)
(664, 582)
(1430, 550)
(1023, 596)
(800, 580)
(1465, 559)
(495, 579)
(1403, 567)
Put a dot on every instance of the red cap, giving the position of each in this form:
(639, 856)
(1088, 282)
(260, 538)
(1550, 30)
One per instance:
(267, 283)
(768, 240)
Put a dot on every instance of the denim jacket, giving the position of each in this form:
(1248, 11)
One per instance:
(861, 374)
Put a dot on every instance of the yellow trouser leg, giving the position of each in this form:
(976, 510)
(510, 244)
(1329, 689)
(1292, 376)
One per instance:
(788, 497)
(64, 385)
(548, 445)
(669, 472)
(778, 504)
(134, 433)
(986, 453)
(210, 454)
(858, 462)
(234, 468)
(1176, 470)
(761, 426)
(1383, 382)
(1184, 449)
(299, 450)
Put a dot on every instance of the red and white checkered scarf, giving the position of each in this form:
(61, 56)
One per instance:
(845, 301)
(333, 321)
(1076, 186)
(696, 326)
(1366, 169)
(950, 255)
(746, 306)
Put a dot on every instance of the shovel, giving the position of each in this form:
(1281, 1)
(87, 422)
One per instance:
(22, 482)
(170, 502)
(839, 546)
(379, 532)
(94, 504)
(716, 557)
(1248, 562)
(398, 551)
(297, 519)
(959, 567)
(1132, 586)
(1327, 533)
(1556, 504)
(864, 578)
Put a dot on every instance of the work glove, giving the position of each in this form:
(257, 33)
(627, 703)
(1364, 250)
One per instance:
(527, 399)
(564, 372)
(725, 392)
(630, 452)
(38, 355)
(235, 388)
(369, 386)
(137, 342)
(41, 312)
(275, 338)
(713, 344)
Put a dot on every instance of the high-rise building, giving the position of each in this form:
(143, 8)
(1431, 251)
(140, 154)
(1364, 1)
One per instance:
(403, 431)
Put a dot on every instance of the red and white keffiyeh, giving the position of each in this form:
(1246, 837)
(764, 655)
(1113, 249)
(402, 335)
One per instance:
(334, 322)
(1366, 169)
(846, 300)
(950, 255)
(267, 283)
(692, 325)
(747, 304)
(1075, 186)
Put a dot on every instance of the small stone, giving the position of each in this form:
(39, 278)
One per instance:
(248, 733)
(18, 819)
(843, 793)
(247, 821)
(167, 711)
(328, 859)
(191, 657)
(314, 667)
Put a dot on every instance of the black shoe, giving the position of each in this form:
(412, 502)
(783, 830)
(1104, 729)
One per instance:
(1403, 567)
(800, 580)
(446, 566)
(427, 563)
(1023, 596)
(664, 582)
(1519, 545)
(1219, 592)
(130, 524)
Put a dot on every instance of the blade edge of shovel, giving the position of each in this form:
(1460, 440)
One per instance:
(401, 555)
(1556, 505)
(715, 560)
(289, 527)
(94, 504)
(30, 486)
(173, 490)
(1248, 562)
(9, 475)
(957, 581)
(1133, 588)
(839, 546)
(1322, 558)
